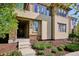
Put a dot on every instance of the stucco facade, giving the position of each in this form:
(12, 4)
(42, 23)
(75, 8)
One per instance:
(61, 35)
(56, 19)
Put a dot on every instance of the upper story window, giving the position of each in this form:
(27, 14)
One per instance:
(26, 6)
(61, 27)
(61, 12)
(41, 9)
(20, 6)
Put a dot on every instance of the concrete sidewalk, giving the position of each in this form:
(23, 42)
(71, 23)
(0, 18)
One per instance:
(73, 54)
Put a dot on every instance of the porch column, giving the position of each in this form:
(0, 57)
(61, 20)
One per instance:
(44, 30)
(13, 36)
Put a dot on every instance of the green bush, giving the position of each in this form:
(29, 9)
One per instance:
(41, 45)
(60, 49)
(72, 35)
(72, 47)
(48, 45)
(40, 52)
(54, 49)
(15, 53)
(63, 46)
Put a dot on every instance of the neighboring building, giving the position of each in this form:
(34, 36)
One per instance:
(41, 22)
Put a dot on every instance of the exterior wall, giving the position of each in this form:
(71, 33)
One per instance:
(44, 30)
(55, 19)
(57, 34)
(32, 35)
(33, 15)
(31, 7)
(12, 36)
(46, 27)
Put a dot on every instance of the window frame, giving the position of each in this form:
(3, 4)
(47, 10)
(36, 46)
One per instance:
(62, 27)
(34, 26)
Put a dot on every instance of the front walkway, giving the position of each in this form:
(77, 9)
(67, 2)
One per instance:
(73, 54)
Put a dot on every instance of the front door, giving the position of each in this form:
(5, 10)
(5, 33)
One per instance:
(23, 29)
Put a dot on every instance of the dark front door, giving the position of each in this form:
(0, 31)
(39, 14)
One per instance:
(23, 29)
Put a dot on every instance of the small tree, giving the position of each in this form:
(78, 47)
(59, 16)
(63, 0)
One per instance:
(7, 19)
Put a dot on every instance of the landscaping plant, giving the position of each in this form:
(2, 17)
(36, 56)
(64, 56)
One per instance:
(40, 52)
(72, 47)
(15, 53)
(60, 48)
(54, 49)
(8, 20)
(41, 45)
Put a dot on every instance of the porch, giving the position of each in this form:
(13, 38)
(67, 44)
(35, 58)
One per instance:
(27, 29)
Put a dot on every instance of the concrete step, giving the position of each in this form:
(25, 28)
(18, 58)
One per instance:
(23, 40)
(23, 43)
(25, 46)
(28, 52)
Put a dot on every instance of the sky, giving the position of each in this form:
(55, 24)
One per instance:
(71, 13)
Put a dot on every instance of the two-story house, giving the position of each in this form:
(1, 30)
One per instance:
(41, 22)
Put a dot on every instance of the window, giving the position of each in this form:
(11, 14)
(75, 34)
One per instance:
(35, 7)
(20, 6)
(47, 12)
(41, 9)
(61, 12)
(35, 26)
(26, 6)
(61, 27)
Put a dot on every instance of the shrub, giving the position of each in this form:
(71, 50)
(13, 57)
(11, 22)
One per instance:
(40, 52)
(72, 35)
(63, 46)
(60, 49)
(48, 45)
(54, 49)
(15, 53)
(41, 45)
(72, 47)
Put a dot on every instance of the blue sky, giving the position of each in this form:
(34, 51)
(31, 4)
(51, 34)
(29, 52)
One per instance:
(71, 13)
